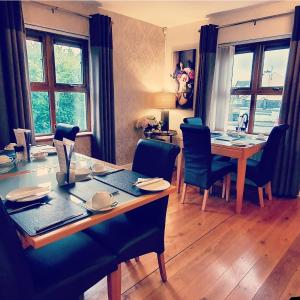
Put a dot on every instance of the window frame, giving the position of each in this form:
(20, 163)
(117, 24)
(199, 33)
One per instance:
(50, 85)
(258, 49)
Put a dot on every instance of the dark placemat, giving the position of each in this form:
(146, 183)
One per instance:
(123, 181)
(59, 207)
(86, 189)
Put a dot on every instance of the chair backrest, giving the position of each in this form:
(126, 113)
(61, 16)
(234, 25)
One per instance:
(15, 277)
(193, 121)
(270, 152)
(66, 131)
(154, 159)
(197, 154)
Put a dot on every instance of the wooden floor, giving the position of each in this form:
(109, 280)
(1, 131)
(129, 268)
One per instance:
(219, 255)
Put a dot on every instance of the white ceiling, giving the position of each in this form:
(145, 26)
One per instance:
(173, 13)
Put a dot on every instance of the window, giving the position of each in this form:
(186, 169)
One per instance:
(58, 72)
(257, 84)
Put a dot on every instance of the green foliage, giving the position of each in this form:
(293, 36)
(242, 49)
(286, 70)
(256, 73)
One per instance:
(68, 64)
(41, 112)
(70, 107)
(35, 61)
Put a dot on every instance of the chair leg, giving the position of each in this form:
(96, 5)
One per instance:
(114, 284)
(162, 267)
(261, 196)
(183, 193)
(137, 259)
(206, 192)
(223, 187)
(228, 183)
(269, 190)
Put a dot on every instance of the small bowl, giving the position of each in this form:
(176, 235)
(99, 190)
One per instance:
(41, 155)
(98, 168)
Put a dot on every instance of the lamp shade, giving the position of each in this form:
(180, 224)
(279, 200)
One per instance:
(164, 100)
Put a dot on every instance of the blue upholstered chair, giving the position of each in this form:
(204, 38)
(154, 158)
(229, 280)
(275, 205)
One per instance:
(193, 121)
(200, 169)
(65, 131)
(63, 270)
(198, 121)
(261, 172)
(142, 230)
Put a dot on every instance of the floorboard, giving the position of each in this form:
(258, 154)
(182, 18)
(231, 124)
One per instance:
(217, 254)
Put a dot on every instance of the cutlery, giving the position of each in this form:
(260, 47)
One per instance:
(149, 182)
(109, 172)
(34, 205)
(56, 223)
(143, 180)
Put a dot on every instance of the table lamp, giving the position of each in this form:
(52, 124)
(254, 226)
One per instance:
(164, 101)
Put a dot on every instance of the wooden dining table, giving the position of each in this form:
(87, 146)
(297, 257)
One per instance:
(130, 203)
(225, 148)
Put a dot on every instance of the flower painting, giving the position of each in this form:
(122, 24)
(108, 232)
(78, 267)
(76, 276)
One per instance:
(184, 74)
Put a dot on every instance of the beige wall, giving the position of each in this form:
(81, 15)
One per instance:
(187, 36)
(138, 63)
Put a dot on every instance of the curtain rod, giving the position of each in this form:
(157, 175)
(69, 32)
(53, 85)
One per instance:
(54, 30)
(55, 8)
(254, 20)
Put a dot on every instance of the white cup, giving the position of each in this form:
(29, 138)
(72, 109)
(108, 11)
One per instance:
(97, 168)
(100, 200)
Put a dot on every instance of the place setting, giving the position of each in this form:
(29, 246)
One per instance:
(101, 201)
(29, 197)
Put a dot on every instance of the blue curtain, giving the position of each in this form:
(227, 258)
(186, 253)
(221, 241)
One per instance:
(207, 61)
(103, 145)
(15, 100)
(286, 182)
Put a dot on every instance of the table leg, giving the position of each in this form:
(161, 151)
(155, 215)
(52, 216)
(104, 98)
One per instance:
(240, 183)
(171, 139)
(179, 171)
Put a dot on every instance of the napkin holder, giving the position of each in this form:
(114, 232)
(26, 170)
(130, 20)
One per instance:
(23, 138)
(66, 175)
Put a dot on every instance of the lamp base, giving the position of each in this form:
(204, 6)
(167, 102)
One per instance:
(165, 120)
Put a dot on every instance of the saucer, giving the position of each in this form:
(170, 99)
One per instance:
(113, 205)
